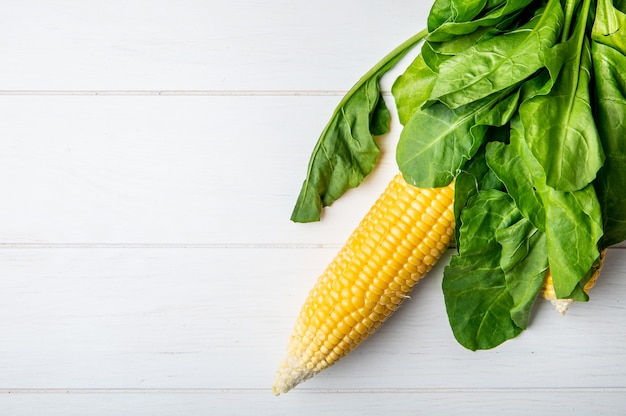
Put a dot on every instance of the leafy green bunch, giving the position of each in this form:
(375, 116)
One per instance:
(523, 104)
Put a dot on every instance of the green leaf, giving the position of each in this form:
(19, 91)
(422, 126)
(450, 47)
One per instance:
(495, 63)
(380, 117)
(559, 127)
(524, 260)
(346, 151)
(609, 26)
(437, 141)
(609, 61)
(435, 53)
(475, 176)
(490, 287)
(444, 11)
(344, 155)
(434, 144)
(574, 228)
(477, 298)
(503, 110)
(571, 220)
(516, 167)
(579, 294)
(454, 18)
(411, 89)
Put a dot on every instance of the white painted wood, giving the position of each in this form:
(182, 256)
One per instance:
(150, 156)
(167, 170)
(187, 45)
(220, 318)
(243, 403)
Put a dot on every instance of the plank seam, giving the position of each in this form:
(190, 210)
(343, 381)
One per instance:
(442, 390)
(242, 246)
(210, 93)
(37, 246)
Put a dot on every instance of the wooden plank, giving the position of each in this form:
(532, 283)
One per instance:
(150, 155)
(167, 170)
(219, 319)
(431, 402)
(193, 45)
(87, 170)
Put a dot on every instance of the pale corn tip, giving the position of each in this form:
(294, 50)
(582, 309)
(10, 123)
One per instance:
(563, 305)
(290, 373)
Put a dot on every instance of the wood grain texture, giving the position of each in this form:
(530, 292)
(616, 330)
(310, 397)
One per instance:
(150, 156)
(192, 45)
(203, 323)
(243, 402)
(164, 170)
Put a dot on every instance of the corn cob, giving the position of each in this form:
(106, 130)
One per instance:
(396, 244)
(562, 305)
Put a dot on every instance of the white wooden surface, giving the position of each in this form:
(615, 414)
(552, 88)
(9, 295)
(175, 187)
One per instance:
(150, 155)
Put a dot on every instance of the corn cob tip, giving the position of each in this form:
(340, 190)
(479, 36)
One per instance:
(395, 245)
(290, 373)
(562, 305)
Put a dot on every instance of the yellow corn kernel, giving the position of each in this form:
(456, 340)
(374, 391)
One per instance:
(395, 245)
(562, 305)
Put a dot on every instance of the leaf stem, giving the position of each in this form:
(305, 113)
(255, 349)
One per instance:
(584, 14)
(397, 53)
(570, 8)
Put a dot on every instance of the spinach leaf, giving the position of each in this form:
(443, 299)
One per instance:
(435, 53)
(477, 299)
(579, 294)
(609, 61)
(609, 26)
(503, 110)
(524, 261)
(434, 58)
(496, 63)
(346, 151)
(452, 18)
(461, 43)
(559, 127)
(411, 89)
(515, 166)
(491, 285)
(437, 141)
(575, 227)
(571, 220)
(475, 176)
(443, 11)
